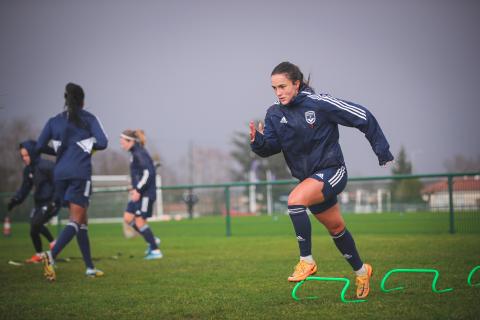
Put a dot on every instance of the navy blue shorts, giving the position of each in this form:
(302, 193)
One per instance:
(334, 181)
(141, 208)
(76, 191)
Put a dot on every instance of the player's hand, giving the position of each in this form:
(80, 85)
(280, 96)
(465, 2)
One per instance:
(252, 130)
(388, 163)
(49, 208)
(135, 195)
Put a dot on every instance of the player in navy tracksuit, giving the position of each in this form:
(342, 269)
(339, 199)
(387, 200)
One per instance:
(74, 135)
(304, 126)
(144, 190)
(37, 174)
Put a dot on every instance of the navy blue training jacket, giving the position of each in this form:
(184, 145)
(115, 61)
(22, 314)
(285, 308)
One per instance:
(306, 131)
(38, 175)
(142, 172)
(73, 145)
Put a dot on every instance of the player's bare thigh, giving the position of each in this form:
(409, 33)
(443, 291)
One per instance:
(307, 193)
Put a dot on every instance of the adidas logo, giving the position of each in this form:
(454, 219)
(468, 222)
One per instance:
(347, 256)
(283, 120)
(299, 238)
(320, 175)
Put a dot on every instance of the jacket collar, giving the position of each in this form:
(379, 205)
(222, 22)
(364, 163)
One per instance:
(301, 95)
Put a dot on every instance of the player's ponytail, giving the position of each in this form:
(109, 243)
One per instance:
(74, 98)
(141, 137)
(293, 73)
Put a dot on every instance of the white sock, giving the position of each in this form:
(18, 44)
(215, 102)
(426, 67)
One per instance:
(362, 271)
(156, 251)
(309, 259)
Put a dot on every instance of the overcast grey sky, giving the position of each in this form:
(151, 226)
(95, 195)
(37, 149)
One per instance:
(199, 70)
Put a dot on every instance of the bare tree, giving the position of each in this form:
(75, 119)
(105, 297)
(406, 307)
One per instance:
(244, 158)
(460, 163)
(110, 162)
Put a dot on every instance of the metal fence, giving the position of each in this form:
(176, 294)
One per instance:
(452, 199)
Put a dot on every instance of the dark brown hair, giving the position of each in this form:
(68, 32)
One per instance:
(74, 98)
(292, 72)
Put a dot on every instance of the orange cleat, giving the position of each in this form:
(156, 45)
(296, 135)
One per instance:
(34, 259)
(363, 283)
(302, 270)
(48, 266)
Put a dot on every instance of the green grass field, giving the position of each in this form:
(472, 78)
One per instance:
(205, 275)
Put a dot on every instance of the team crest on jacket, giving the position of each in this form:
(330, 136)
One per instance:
(310, 117)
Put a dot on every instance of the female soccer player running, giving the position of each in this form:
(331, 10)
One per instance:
(74, 134)
(304, 126)
(37, 174)
(143, 193)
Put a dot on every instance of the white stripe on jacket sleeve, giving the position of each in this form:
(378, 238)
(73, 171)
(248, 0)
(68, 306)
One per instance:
(143, 180)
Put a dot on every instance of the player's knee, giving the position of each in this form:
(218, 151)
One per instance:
(128, 218)
(139, 221)
(336, 227)
(296, 198)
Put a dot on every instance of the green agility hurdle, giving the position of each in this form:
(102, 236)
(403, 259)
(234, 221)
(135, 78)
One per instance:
(434, 282)
(470, 276)
(342, 294)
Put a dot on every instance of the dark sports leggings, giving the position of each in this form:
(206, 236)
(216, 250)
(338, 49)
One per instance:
(37, 227)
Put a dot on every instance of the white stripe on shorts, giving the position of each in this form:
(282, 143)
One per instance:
(86, 193)
(337, 177)
(144, 207)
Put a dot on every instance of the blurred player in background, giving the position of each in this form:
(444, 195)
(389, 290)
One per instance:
(304, 126)
(74, 135)
(143, 193)
(37, 174)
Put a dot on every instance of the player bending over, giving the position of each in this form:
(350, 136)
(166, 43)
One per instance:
(37, 174)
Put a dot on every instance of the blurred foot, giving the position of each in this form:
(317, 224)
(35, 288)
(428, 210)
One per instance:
(94, 273)
(36, 258)
(48, 266)
(157, 241)
(154, 254)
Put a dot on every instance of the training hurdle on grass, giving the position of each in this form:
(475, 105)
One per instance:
(382, 284)
(470, 275)
(342, 294)
(434, 282)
